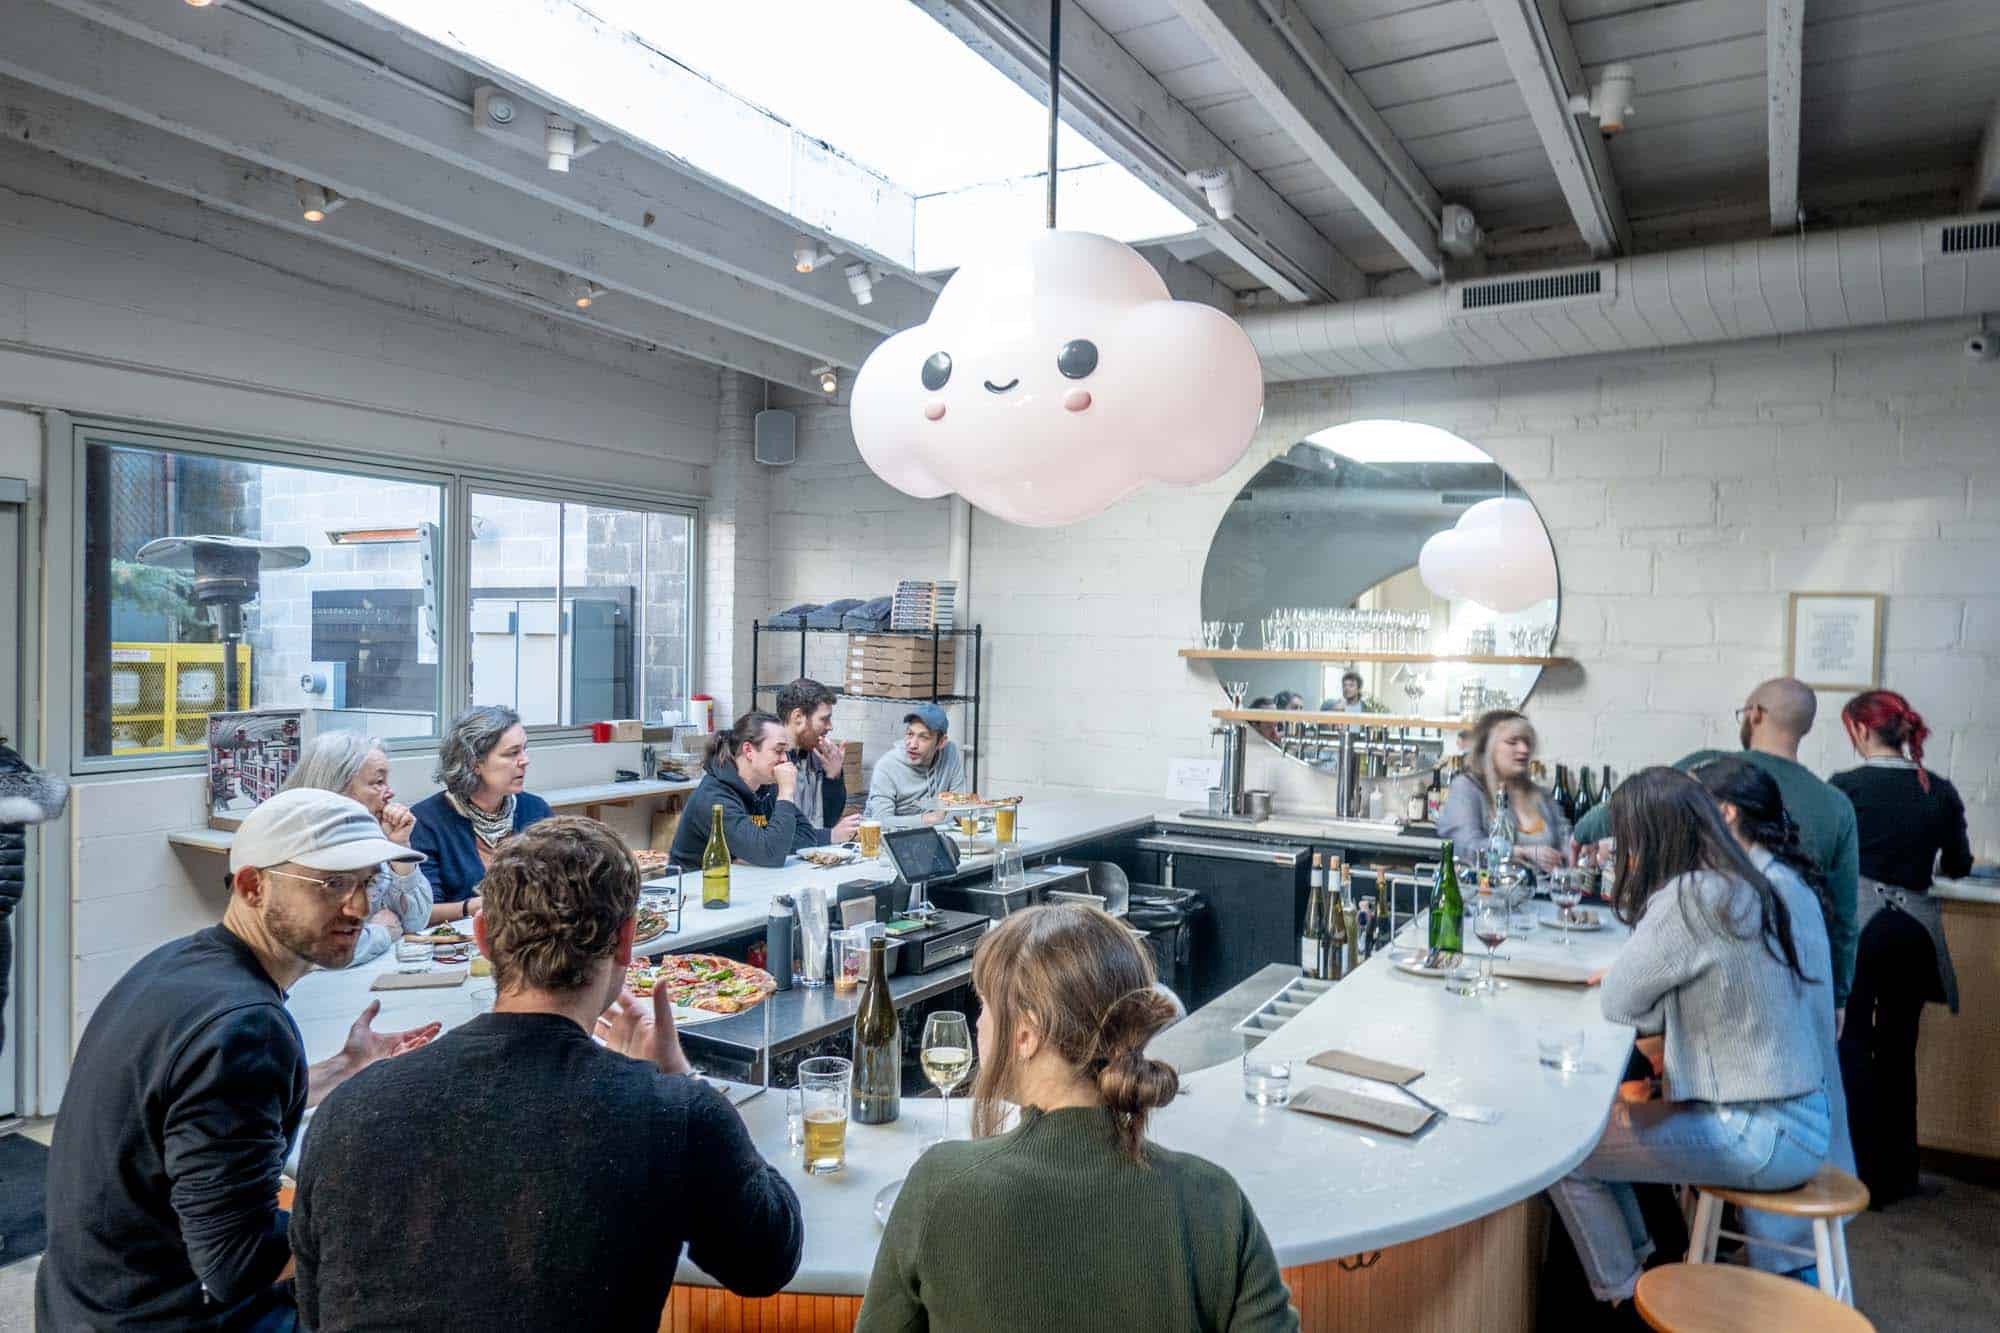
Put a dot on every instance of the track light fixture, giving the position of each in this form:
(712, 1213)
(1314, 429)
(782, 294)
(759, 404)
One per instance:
(315, 201)
(1219, 188)
(559, 142)
(829, 382)
(861, 282)
(807, 256)
(582, 292)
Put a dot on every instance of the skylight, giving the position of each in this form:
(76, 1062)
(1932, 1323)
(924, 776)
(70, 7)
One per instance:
(961, 148)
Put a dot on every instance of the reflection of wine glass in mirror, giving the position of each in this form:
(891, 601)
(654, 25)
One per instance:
(947, 1058)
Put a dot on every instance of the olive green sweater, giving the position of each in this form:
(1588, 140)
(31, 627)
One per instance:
(1050, 1227)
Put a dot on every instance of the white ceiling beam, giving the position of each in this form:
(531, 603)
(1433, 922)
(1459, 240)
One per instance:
(96, 138)
(1111, 99)
(64, 54)
(1535, 38)
(1983, 191)
(1260, 58)
(1291, 20)
(614, 186)
(1784, 40)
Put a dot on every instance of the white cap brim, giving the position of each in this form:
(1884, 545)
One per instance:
(358, 855)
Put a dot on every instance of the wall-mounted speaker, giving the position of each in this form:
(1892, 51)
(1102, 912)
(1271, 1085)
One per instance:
(777, 437)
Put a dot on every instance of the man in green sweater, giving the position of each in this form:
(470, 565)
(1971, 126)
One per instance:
(1773, 720)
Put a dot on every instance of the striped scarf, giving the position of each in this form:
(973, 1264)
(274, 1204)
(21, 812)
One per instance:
(490, 829)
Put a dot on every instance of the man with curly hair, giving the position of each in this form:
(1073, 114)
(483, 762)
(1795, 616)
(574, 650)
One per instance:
(516, 1173)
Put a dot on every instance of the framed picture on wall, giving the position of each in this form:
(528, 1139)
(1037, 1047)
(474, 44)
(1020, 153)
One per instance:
(1833, 640)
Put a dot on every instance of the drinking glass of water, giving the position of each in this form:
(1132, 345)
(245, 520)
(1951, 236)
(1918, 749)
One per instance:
(1267, 1080)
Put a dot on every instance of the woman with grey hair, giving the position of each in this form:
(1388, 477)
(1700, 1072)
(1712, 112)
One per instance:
(483, 766)
(356, 766)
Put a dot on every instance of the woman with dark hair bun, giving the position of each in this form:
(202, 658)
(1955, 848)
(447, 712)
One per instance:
(1754, 809)
(1060, 1205)
(1911, 824)
(1714, 970)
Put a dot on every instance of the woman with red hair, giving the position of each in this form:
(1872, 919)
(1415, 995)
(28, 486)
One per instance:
(1911, 824)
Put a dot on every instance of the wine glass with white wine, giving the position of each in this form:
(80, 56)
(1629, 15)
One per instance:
(947, 1058)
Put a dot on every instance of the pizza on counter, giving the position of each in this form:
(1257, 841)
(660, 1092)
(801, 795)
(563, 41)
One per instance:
(703, 981)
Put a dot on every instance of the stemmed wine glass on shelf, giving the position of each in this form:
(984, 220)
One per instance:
(946, 1056)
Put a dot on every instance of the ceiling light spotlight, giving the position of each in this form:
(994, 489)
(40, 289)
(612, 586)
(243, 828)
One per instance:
(808, 256)
(828, 381)
(559, 142)
(315, 201)
(1218, 187)
(862, 283)
(1610, 102)
(582, 292)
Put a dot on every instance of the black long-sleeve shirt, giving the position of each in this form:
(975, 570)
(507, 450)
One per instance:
(163, 1174)
(1905, 831)
(761, 829)
(515, 1174)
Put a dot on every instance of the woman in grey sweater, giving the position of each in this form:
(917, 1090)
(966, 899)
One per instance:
(1498, 759)
(1713, 970)
(399, 898)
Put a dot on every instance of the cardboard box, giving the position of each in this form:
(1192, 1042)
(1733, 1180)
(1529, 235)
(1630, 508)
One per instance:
(628, 729)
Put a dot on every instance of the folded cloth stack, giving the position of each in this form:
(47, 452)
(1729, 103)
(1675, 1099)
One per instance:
(793, 617)
(872, 614)
(830, 616)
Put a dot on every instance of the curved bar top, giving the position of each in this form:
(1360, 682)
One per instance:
(1323, 1189)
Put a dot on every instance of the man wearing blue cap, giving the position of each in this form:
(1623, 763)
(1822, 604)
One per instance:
(926, 763)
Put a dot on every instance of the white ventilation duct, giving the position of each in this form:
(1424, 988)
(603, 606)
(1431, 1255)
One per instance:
(1853, 278)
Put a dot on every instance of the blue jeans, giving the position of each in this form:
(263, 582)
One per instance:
(1744, 1145)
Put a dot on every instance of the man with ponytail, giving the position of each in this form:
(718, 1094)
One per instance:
(1912, 825)
(751, 776)
(1057, 1207)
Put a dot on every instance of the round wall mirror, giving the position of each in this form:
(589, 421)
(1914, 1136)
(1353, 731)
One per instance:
(1378, 567)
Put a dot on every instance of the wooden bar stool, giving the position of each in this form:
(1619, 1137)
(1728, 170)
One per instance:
(1722, 1298)
(1829, 1199)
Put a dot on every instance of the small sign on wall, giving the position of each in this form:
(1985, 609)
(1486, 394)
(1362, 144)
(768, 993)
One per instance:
(1190, 779)
(1833, 640)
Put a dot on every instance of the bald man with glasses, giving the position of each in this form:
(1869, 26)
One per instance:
(1772, 721)
(190, 1083)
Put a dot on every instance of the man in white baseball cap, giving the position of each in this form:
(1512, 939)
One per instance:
(190, 1083)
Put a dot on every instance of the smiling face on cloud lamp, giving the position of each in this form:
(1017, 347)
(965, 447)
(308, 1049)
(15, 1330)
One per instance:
(1054, 380)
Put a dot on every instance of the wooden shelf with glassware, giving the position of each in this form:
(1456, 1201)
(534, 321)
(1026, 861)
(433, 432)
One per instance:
(1338, 719)
(1319, 655)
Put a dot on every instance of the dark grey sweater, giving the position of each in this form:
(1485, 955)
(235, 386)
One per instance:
(516, 1175)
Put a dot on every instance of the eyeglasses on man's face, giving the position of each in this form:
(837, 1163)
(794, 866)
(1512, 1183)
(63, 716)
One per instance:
(332, 888)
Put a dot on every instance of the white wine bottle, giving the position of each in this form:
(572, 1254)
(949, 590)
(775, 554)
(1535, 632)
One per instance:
(878, 1046)
(715, 865)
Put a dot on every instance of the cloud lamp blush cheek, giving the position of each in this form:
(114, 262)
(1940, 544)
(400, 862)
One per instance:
(934, 411)
(1077, 400)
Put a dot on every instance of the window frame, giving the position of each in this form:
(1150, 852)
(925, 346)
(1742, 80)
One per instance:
(458, 483)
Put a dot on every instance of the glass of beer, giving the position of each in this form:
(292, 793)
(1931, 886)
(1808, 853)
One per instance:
(968, 825)
(823, 1093)
(1003, 823)
(871, 838)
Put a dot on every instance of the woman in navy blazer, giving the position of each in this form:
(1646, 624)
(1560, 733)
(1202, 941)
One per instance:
(483, 765)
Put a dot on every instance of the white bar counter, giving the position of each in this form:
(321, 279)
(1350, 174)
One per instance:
(1325, 1190)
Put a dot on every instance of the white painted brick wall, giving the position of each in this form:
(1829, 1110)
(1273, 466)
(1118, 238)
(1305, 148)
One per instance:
(1686, 495)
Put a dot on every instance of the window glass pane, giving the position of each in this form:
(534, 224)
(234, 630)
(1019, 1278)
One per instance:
(620, 647)
(350, 629)
(516, 631)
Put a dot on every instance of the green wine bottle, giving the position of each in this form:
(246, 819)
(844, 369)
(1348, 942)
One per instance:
(878, 1046)
(715, 864)
(1447, 906)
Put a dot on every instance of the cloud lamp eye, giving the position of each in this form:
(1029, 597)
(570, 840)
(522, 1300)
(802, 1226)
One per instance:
(937, 370)
(1077, 358)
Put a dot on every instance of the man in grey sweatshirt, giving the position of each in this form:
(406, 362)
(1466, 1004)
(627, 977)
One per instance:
(926, 763)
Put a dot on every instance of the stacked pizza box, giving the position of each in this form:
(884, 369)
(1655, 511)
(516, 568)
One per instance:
(900, 666)
(924, 604)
